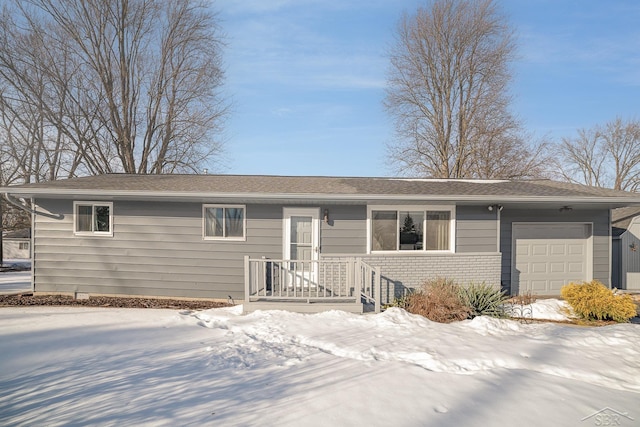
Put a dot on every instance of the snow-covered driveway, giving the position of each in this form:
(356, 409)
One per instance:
(88, 366)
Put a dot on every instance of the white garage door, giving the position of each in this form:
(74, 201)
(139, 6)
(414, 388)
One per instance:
(548, 256)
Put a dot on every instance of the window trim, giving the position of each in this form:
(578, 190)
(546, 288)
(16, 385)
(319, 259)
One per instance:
(425, 208)
(242, 238)
(93, 205)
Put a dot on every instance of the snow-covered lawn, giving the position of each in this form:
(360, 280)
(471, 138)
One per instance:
(15, 281)
(89, 366)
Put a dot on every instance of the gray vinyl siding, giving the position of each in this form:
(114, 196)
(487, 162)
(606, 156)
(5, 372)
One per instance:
(629, 257)
(476, 229)
(346, 231)
(601, 236)
(156, 249)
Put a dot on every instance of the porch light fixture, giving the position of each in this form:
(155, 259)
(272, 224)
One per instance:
(326, 216)
(491, 208)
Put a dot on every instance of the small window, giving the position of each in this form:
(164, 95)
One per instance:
(23, 246)
(412, 229)
(92, 218)
(224, 222)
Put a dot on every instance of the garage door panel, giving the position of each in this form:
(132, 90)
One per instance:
(576, 267)
(539, 267)
(540, 250)
(538, 285)
(523, 268)
(548, 256)
(556, 285)
(576, 249)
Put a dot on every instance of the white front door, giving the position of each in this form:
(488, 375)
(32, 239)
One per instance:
(301, 244)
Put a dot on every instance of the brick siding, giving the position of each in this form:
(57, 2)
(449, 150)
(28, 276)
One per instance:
(402, 272)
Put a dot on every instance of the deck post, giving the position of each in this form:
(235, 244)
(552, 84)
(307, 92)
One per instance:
(357, 269)
(247, 280)
(378, 289)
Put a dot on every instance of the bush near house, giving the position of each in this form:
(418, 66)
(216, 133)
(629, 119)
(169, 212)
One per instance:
(483, 300)
(438, 300)
(594, 301)
(443, 300)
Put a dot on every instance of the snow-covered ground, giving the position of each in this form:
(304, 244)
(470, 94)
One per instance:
(15, 281)
(90, 366)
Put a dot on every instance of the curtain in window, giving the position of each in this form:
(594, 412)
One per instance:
(234, 222)
(213, 222)
(438, 230)
(83, 217)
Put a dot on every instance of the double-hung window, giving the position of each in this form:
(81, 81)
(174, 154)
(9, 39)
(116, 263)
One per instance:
(411, 228)
(226, 222)
(93, 218)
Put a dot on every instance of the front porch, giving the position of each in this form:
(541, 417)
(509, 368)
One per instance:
(311, 286)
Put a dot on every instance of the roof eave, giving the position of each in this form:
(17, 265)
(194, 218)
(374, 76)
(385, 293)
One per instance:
(198, 195)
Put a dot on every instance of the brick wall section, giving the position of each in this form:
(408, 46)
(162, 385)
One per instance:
(402, 272)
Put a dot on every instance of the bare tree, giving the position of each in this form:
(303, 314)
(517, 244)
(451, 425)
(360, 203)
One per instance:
(603, 156)
(112, 86)
(448, 94)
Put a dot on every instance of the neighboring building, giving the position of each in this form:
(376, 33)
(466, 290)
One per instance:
(16, 244)
(188, 235)
(625, 261)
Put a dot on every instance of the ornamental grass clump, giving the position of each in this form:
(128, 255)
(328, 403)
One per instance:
(483, 300)
(438, 300)
(594, 301)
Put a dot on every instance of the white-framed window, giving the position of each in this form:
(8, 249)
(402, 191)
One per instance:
(224, 222)
(411, 228)
(93, 218)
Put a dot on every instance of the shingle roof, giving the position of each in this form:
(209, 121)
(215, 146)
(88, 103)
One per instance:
(303, 186)
(621, 218)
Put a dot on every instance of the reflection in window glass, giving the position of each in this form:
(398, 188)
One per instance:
(411, 230)
(223, 221)
(93, 218)
(213, 222)
(384, 230)
(411, 234)
(101, 218)
(234, 221)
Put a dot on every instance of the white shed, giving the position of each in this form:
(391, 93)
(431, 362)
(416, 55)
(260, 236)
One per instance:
(16, 244)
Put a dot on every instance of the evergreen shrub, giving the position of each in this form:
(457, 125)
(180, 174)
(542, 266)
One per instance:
(594, 301)
(483, 300)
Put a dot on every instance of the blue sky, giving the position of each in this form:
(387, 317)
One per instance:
(306, 77)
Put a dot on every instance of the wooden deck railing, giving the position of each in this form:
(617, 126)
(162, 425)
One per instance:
(345, 280)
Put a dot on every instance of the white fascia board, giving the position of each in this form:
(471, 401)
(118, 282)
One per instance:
(197, 195)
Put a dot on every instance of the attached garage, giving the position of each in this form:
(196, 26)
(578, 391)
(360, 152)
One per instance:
(550, 255)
